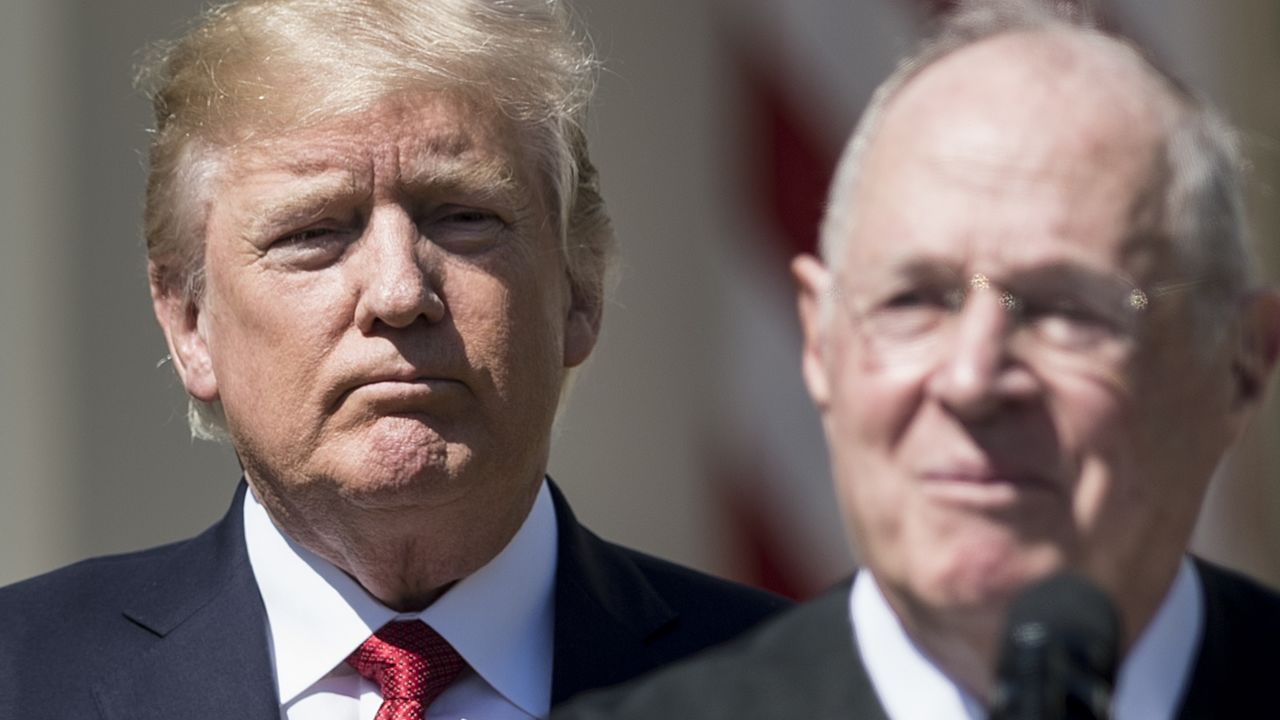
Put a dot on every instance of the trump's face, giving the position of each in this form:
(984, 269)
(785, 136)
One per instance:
(387, 316)
(1005, 354)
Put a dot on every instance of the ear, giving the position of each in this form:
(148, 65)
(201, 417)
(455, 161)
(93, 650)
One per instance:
(180, 320)
(1259, 347)
(813, 283)
(582, 322)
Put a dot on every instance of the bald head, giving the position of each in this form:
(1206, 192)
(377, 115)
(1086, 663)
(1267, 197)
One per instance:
(1033, 89)
(1017, 115)
(1024, 76)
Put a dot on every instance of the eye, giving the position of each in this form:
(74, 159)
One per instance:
(907, 299)
(464, 229)
(471, 217)
(910, 312)
(1070, 322)
(311, 235)
(1065, 308)
(923, 298)
(311, 248)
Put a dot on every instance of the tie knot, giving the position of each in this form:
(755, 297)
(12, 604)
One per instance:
(411, 664)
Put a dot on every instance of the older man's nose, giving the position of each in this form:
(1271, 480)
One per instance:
(976, 372)
(397, 283)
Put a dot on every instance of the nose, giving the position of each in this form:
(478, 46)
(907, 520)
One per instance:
(397, 285)
(976, 373)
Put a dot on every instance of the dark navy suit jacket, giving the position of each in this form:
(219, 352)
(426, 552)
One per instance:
(803, 665)
(179, 632)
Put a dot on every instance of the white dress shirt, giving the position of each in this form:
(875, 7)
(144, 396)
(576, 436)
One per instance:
(1149, 685)
(499, 619)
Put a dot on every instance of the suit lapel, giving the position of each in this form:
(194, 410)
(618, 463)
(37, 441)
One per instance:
(207, 654)
(844, 689)
(605, 611)
(819, 675)
(1236, 664)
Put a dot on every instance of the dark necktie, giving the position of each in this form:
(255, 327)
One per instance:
(411, 664)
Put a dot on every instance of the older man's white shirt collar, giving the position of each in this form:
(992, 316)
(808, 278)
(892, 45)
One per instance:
(499, 619)
(1151, 682)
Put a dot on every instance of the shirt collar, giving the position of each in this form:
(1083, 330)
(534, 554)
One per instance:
(908, 684)
(499, 618)
(1151, 681)
(1155, 675)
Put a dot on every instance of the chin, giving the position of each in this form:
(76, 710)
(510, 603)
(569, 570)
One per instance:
(408, 442)
(390, 471)
(990, 574)
(406, 477)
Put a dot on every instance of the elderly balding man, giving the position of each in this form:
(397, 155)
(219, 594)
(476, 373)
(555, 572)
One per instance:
(376, 249)
(1031, 338)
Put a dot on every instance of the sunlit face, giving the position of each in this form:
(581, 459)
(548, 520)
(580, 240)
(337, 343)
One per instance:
(387, 317)
(1031, 434)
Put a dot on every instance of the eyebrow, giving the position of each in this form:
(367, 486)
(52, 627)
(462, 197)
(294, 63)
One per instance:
(1054, 277)
(489, 179)
(318, 184)
(1050, 276)
(309, 195)
(919, 271)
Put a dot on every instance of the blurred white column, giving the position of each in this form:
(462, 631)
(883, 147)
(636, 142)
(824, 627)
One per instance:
(36, 443)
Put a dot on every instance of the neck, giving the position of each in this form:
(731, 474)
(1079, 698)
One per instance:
(964, 642)
(405, 556)
(1138, 595)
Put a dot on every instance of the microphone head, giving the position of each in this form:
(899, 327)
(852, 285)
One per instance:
(1059, 652)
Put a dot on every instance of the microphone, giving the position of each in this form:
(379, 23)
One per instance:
(1058, 654)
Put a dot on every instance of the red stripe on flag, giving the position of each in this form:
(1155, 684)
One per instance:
(761, 551)
(790, 166)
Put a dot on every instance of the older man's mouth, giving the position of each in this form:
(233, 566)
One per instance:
(400, 391)
(985, 484)
(408, 389)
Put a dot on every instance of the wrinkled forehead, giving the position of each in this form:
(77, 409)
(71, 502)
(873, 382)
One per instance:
(414, 138)
(422, 120)
(1021, 150)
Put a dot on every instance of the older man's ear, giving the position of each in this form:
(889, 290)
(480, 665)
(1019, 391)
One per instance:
(813, 283)
(179, 319)
(1259, 347)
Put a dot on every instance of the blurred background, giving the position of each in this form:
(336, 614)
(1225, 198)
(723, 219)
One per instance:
(715, 128)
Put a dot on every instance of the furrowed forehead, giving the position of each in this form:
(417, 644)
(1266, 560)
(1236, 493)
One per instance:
(1021, 166)
(410, 155)
(426, 137)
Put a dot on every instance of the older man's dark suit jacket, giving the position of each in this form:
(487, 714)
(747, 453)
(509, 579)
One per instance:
(179, 633)
(803, 666)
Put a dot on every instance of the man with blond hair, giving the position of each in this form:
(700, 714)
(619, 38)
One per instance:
(376, 249)
(1032, 337)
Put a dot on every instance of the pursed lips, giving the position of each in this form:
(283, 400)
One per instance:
(979, 479)
(401, 385)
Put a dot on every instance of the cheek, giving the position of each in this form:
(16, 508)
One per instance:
(268, 353)
(508, 328)
(867, 428)
(873, 408)
(1098, 431)
(1153, 451)
(1092, 422)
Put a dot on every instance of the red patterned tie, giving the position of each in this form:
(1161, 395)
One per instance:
(411, 663)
